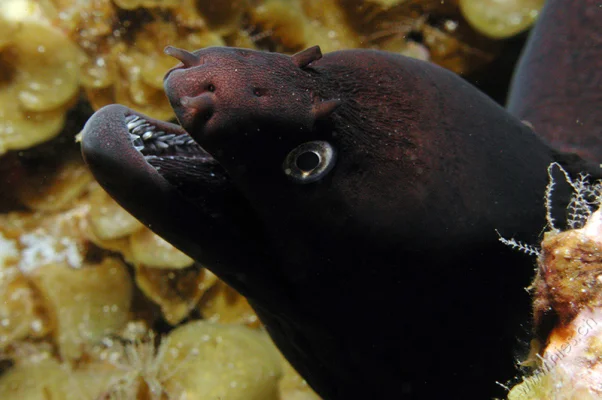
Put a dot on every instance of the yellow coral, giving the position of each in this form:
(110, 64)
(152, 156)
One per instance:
(501, 18)
(54, 189)
(150, 250)
(132, 4)
(22, 312)
(176, 292)
(224, 305)
(42, 377)
(39, 76)
(230, 362)
(86, 303)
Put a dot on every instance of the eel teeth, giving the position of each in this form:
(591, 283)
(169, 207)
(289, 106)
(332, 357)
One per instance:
(135, 124)
(141, 128)
(180, 141)
(145, 137)
(166, 137)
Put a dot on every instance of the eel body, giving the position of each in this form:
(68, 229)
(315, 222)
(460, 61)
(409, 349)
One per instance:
(356, 199)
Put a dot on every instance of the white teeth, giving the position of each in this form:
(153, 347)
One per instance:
(141, 128)
(135, 123)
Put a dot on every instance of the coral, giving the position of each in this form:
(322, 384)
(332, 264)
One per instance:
(85, 304)
(40, 376)
(53, 188)
(50, 289)
(22, 312)
(39, 76)
(196, 360)
(431, 30)
(236, 362)
(570, 276)
(293, 387)
(108, 221)
(75, 216)
(222, 304)
(569, 368)
(501, 19)
(152, 251)
(177, 292)
(567, 300)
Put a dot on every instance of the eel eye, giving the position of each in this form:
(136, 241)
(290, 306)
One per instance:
(309, 162)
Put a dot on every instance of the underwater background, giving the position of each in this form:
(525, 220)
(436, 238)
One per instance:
(93, 305)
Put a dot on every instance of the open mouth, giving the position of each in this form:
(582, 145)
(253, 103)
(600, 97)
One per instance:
(150, 140)
(157, 139)
(158, 173)
(118, 142)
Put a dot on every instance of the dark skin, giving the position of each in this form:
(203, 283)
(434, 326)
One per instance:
(353, 198)
(557, 85)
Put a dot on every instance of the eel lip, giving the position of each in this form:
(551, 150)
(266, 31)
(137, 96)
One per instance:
(105, 143)
(116, 142)
(117, 128)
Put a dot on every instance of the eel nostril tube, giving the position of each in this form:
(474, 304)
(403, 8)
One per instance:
(185, 57)
(202, 104)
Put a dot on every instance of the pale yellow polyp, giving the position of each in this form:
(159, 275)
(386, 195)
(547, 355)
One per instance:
(500, 19)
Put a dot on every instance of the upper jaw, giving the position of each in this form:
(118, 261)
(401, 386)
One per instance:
(152, 137)
(148, 138)
(117, 138)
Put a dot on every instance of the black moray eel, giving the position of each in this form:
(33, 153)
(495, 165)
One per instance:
(354, 198)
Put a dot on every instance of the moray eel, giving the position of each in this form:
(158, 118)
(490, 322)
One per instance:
(354, 198)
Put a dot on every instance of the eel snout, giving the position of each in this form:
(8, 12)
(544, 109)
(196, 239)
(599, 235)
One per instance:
(117, 131)
(163, 178)
(129, 152)
(193, 103)
(125, 149)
